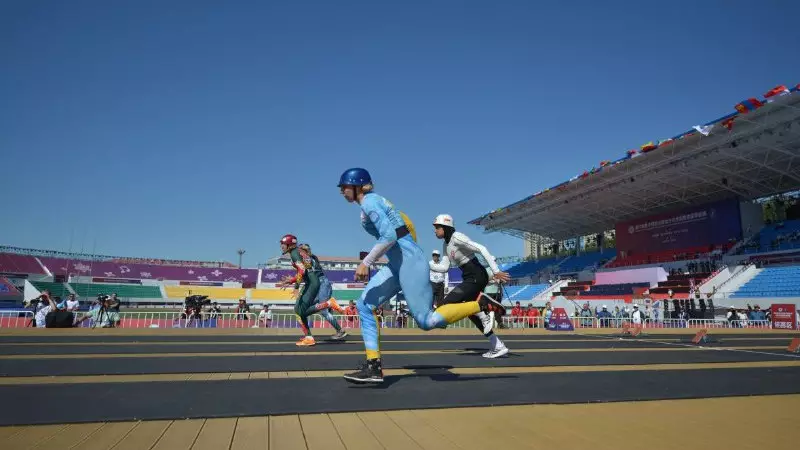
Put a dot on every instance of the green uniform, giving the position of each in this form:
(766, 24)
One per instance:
(306, 302)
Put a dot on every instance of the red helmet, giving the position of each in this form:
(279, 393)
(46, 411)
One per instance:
(289, 240)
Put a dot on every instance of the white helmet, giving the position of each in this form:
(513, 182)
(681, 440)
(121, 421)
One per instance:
(436, 252)
(444, 219)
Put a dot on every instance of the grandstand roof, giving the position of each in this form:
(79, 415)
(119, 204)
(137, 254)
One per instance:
(748, 155)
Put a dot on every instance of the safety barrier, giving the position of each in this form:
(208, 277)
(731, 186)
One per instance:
(16, 319)
(22, 319)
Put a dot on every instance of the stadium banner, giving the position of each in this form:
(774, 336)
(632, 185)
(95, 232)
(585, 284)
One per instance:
(201, 283)
(783, 316)
(13, 275)
(115, 280)
(559, 321)
(698, 226)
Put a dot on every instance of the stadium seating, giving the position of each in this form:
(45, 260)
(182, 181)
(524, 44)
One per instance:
(271, 294)
(772, 282)
(613, 289)
(528, 268)
(523, 292)
(56, 289)
(586, 260)
(122, 290)
(212, 292)
(13, 263)
(771, 238)
(683, 254)
(345, 295)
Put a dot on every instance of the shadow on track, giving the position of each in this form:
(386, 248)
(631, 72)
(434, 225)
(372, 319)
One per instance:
(434, 373)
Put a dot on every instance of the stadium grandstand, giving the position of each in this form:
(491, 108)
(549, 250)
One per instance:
(707, 217)
(159, 283)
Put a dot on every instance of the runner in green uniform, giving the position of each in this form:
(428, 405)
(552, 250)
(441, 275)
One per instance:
(305, 304)
(325, 293)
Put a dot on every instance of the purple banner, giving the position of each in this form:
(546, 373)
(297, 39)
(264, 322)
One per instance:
(705, 225)
(200, 283)
(115, 280)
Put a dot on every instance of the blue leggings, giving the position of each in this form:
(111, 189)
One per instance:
(407, 271)
(325, 293)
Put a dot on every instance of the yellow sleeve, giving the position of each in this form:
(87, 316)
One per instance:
(409, 225)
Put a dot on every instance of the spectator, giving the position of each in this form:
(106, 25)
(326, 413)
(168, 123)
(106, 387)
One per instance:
(586, 316)
(516, 315)
(438, 280)
(265, 316)
(637, 317)
(757, 314)
(351, 312)
(604, 317)
(242, 309)
(533, 316)
(101, 316)
(548, 314)
(72, 303)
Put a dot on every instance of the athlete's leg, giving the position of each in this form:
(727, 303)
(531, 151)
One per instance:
(325, 291)
(416, 286)
(382, 287)
(299, 308)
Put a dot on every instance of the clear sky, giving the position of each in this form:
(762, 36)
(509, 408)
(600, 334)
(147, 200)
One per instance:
(188, 129)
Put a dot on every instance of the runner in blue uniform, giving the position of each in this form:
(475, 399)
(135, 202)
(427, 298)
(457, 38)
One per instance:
(407, 270)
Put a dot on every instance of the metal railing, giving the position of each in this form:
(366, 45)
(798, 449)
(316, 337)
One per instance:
(16, 319)
(22, 319)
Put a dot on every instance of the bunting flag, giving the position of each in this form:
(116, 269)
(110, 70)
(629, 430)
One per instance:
(704, 130)
(775, 92)
(728, 123)
(743, 107)
(648, 147)
(751, 104)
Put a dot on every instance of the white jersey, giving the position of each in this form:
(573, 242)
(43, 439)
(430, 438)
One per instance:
(459, 251)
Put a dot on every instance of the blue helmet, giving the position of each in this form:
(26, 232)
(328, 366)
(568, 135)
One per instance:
(355, 177)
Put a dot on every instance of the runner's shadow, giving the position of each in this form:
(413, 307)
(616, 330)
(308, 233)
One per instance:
(435, 373)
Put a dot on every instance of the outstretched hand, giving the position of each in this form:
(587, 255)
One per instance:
(502, 277)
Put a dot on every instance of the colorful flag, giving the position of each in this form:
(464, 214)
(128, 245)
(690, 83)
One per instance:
(704, 130)
(751, 104)
(648, 147)
(776, 92)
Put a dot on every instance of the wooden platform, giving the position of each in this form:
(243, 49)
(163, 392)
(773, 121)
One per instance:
(599, 418)
(704, 423)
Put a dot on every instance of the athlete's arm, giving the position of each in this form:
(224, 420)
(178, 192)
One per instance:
(388, 234)
(442, 266)
(463, 241)
(297, 263)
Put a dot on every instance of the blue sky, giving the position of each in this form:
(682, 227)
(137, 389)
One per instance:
(186, 129)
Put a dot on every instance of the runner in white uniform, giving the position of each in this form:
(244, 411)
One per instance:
(460, 251)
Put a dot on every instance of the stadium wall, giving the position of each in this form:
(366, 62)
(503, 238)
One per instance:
(752, 218)
(625, 276)
(706, 225)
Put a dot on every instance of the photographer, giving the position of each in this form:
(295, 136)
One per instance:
(40, 306)
(103, 316)
(193, 306)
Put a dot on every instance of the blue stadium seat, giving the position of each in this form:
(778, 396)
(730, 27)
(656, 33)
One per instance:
(586, 260)
(772, 282)
(771, 238)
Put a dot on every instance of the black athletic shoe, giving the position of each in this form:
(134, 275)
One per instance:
(368, 372)
(489, 304)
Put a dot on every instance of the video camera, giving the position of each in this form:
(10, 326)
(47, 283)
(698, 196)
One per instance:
(196, 302)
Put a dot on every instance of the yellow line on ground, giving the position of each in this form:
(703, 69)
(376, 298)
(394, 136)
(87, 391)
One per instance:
(386, 352)
(78, 379)
(173, 342)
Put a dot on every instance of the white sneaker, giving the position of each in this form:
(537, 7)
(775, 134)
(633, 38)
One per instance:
(496, 352)
(487, 322)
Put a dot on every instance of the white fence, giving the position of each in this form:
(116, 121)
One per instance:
(22, 319)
